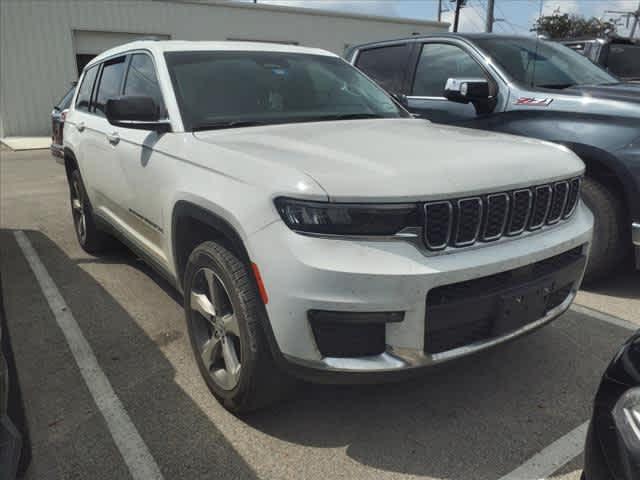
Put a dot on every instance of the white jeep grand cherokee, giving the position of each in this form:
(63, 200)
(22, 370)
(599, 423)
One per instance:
(314, 227)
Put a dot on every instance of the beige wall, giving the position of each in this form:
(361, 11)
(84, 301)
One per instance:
(37, 51)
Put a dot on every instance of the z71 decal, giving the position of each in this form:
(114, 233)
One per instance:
(534, 102)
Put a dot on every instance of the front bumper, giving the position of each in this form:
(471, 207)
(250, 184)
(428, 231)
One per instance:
(303, 273)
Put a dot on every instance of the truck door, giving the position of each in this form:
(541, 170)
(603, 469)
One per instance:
(438, 61)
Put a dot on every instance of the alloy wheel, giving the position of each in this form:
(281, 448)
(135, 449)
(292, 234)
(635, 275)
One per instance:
(215, 328)
(77, 208)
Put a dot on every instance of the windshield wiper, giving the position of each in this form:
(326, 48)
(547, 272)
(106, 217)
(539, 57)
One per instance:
(351, 116)
(226, 124)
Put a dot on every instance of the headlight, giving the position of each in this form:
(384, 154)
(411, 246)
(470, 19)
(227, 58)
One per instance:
(346, 218)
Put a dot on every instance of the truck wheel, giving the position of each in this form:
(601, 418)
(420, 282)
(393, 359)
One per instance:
(608, 248)
(224, 318)
(91, 239)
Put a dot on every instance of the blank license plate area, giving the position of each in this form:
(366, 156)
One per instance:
(520, 307)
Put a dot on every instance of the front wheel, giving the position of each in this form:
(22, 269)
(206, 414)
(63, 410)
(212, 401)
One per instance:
(224, 320)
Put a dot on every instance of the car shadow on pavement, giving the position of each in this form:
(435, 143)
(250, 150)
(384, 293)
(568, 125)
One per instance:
(624, 283)
(476, 418)
(70, 438)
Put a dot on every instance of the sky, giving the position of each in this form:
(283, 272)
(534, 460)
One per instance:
(514, 16)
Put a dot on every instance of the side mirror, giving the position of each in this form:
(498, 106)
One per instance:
(137, 112)
(476, 91)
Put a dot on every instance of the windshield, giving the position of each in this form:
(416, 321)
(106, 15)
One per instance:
(227, 89)
(539, 63)
(624, 60)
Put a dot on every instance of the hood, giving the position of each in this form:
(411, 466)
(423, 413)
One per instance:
(400, 159)
(621, 92)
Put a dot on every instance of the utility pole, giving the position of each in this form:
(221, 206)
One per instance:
(457, 15)
(635, 15)
(490, 17)
(439, 10)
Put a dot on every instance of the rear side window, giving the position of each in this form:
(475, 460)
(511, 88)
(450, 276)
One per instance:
(439, 62)
(386, 65)
(65, 102)
(142, 80)
(624, 60)
(110, 83)
(84, 95)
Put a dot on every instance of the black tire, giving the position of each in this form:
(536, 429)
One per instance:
(91, 239)
(608, 248)
(595, 465)
(260, 382)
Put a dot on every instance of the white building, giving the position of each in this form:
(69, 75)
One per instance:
(44, 44)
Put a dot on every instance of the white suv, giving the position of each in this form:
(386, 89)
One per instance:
(314, 227)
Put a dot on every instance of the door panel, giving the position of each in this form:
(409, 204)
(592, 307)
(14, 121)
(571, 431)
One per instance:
(146, 172)
(111, 193)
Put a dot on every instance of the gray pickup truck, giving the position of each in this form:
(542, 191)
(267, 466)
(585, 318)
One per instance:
(619, 56)
(535, 88)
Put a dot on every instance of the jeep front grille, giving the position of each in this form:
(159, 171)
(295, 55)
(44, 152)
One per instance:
(465, 221)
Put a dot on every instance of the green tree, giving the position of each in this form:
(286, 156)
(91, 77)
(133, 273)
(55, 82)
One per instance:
(564, 25)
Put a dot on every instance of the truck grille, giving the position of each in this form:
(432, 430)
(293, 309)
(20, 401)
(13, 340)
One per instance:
(463, 222)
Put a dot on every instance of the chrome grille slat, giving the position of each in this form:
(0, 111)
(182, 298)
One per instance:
(520, 212)
(447, 207)
(465, 221)
(493, 209)
(471, 208)
(539, 195)
(573, 196)
(558, 202)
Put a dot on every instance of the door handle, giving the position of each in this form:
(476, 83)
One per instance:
(113, 138)
(80, 126)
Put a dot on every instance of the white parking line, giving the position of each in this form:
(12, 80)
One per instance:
(568, 447)
(618, 322)
(553, 457)
(134, 451)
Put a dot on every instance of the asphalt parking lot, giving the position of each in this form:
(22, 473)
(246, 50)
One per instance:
(484, 417)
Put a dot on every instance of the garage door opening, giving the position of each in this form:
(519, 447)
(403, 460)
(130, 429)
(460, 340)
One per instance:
(88, 44)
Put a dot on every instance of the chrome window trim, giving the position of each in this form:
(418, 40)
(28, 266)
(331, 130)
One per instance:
(419, 97)
(458, 244)
(564, 201)
(504, 220)
(510, 232)
(549, 188)
(479, 55)
(449, 230)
